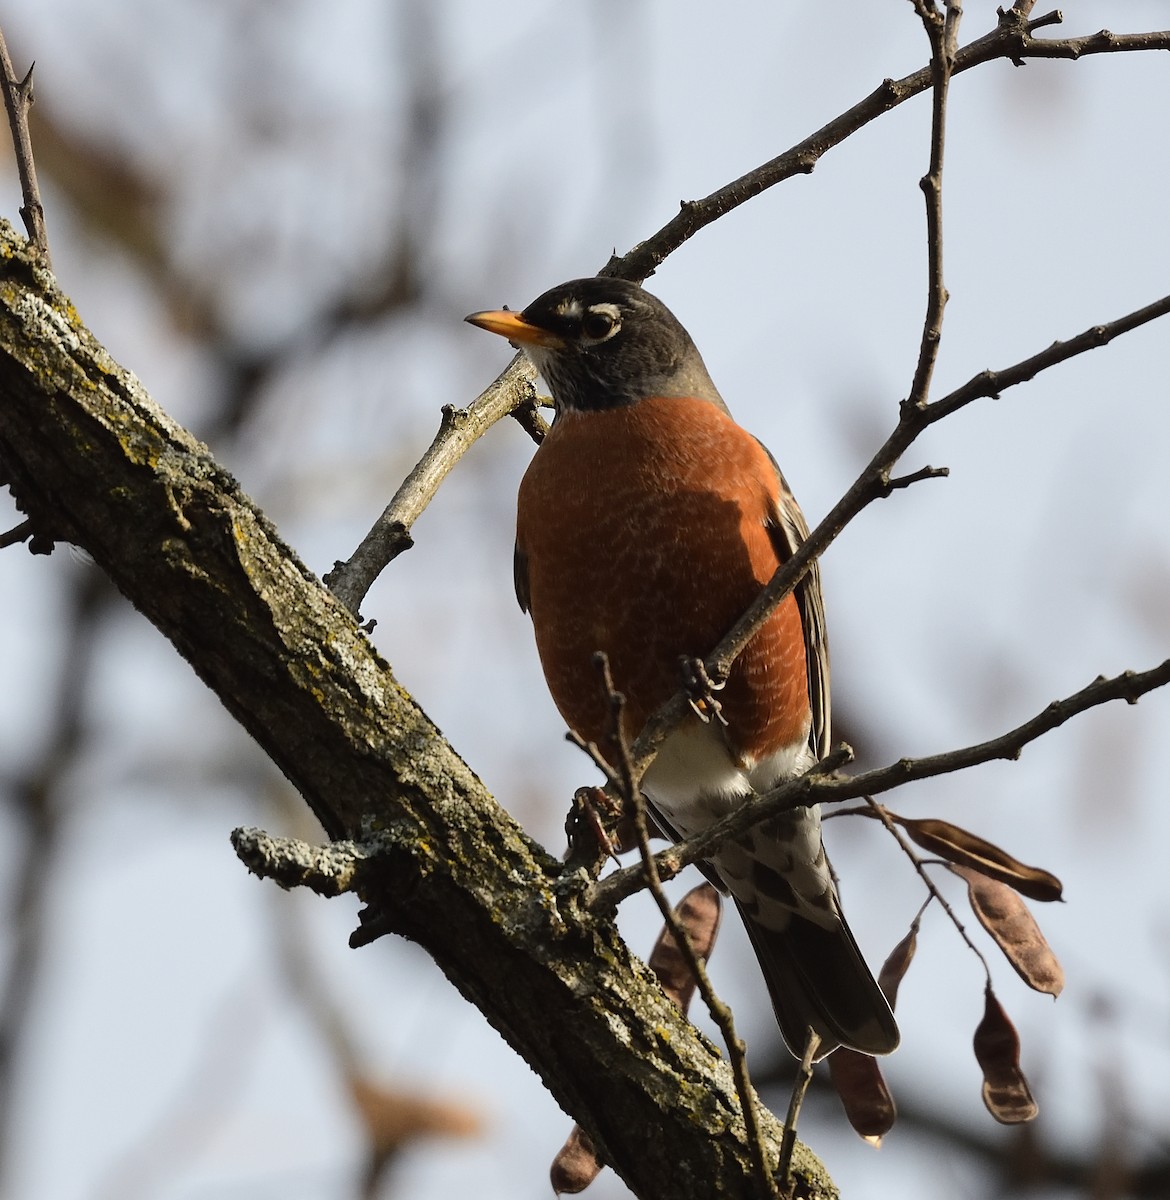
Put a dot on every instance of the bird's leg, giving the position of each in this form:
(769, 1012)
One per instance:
(701, 689)
(799, 1088)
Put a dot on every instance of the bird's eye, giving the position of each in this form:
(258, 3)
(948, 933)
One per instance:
(598, 324)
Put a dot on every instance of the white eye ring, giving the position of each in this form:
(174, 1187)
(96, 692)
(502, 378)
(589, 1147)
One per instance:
(601, 322)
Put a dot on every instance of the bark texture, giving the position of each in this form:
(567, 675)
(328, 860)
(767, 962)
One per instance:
(96, 462)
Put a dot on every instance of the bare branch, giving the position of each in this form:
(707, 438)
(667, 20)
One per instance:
(1101, 42)
(327, 870)
(527, 416)
(895, 484)
(991, 384)
(458, 431)
(16, 535)
(1011, 39)
(804, 1076)
(1129, 686)
(942, 30)
(919, 863)
(1022, 10)
(18, 99)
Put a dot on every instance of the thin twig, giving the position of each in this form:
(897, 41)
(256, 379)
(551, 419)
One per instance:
(528, 416)
(1011, 39)
(920, 865)
(18, 99)
(904, 481)
(942, 30)
(458, 431)
(804, 1076)
(992, 384)
(19, 533)
(720, 1013)
(833, 789)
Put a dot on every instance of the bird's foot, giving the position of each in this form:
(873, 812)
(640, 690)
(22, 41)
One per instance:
(597, 818)
(701, 689)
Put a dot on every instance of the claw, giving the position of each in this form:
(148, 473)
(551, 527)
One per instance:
(701, 689)
(588, 805)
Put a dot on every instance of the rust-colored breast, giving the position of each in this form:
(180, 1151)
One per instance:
(644, 530)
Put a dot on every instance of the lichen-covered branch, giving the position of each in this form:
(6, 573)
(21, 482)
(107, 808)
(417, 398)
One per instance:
(91, 453)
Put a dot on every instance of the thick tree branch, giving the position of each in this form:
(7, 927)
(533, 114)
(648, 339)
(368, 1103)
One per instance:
(88, 447)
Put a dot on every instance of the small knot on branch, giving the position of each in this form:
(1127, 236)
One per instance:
(327, 870)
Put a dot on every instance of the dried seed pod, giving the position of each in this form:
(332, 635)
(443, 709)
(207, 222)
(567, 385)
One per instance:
(576, 1165)
(864, 1095)
(1006, 917)
(966, 849)
(997, 1050)
(698, 913)
(897, 964)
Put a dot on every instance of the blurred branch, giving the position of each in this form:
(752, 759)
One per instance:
(1020, 1162)
(1011, 40)
(37, 801)
(391, 1119)
(113, 196)
(200, 1107)
(18, 99)
(457, 875)
(831, 789)
(123, 200)
(458, 431)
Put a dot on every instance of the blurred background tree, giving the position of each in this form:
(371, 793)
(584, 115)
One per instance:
(277, 214)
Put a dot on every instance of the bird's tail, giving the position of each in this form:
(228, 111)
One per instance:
(782, 885)
(818, 980)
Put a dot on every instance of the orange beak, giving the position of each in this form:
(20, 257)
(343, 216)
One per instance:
(515, 328)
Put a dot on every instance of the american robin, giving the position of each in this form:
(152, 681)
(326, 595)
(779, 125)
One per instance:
(647, 523)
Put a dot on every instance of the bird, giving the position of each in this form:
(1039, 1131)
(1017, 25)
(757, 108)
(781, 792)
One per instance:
(646, 524)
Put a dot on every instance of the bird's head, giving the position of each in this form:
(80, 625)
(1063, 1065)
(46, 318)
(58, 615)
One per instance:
(604, 343)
